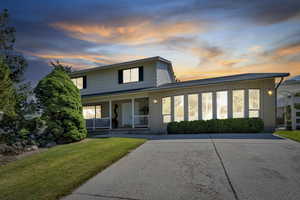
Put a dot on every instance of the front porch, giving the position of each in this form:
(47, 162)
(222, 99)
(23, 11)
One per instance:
(117, 115)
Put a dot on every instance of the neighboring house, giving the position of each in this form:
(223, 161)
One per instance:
(288, 106)
(143, 96)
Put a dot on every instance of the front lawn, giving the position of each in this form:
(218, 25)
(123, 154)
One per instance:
(59, 170)
(294, 135)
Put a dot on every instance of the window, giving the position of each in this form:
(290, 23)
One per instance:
(207, 110)
(91, 112)
(222, 101)
(131, 75)
(78, 82)
(179, 108)
(254, 102)
(88, 112)
(193, 106)
(166, 109)
(238, 103)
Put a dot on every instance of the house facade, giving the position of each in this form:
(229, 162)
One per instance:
(143, 96)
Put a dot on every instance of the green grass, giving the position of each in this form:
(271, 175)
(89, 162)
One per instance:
(294, 135)
(59, 170)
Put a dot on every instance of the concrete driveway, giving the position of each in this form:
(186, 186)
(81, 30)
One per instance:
(237, 167)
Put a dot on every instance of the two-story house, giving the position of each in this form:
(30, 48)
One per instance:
(143, 95)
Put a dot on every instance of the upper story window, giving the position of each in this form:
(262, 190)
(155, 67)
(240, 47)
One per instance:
(79, 82)
(135, 74)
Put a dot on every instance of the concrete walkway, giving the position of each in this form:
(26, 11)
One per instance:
(237, 166)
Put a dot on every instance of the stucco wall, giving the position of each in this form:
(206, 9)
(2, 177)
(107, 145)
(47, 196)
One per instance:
(267, 103)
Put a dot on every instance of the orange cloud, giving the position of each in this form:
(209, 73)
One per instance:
(66, 58)
(197, 73)
(130, 33)
(290, 50)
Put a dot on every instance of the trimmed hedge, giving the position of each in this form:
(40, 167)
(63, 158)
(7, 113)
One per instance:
(239, 125)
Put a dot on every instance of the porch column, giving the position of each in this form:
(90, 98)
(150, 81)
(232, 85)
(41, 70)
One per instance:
(132, 111)
(110, 116)
(293, 111)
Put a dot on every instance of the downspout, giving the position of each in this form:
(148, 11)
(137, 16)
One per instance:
(276, 88)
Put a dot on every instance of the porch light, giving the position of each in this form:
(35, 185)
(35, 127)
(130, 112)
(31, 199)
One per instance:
(270, 92)
(155, 101)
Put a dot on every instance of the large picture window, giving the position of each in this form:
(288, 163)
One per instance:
(78, 82)
(166, 109)
(179, 108)
(131, 75)
(222, 108)
(207, 108)
(193, 106)
(254, 102)
(238, 103)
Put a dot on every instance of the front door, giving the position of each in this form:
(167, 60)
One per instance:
(126, 115)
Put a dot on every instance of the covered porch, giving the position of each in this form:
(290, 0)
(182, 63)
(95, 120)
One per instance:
(117, 114)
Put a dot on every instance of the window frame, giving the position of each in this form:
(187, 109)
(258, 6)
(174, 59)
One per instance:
(182, 97)
(259, 103)
(130, 72)
(217, 104)
(83, 82)
(232, 101)
(170, 110)
(189, 106)
(212, 105)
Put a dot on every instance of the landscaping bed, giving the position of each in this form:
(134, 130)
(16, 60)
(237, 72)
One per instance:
(238, 125)
(56, 172)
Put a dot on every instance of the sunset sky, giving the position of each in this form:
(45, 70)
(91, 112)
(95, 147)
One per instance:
(201, 38)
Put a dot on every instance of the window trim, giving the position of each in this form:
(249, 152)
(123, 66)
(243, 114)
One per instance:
(168, 114)
(259, 104)
(227, 103)
(197, 106)
(183, 109)
(212, 104)
(244, 102)
(140, 74)
(84, 82)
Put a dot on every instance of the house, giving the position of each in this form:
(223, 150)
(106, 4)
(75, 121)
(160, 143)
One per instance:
(143, 96)
(288, 106)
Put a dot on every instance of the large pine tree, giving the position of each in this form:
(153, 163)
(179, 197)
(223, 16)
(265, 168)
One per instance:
(61, 104)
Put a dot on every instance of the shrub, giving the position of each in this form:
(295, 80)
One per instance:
(60, 102)
(241, 125)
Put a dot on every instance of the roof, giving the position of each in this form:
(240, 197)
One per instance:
(198, 82)
(133, 62)
(222, 79)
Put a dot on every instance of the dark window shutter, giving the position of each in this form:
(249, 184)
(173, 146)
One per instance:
(120, 76)
(84, 81)
(141, 73)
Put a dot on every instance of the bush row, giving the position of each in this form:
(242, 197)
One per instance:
(240, 125)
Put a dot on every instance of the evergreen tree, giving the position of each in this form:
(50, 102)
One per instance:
(60, 102)
(7, 92)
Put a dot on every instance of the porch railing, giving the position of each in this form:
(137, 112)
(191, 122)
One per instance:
(98, 123)
(141, 121)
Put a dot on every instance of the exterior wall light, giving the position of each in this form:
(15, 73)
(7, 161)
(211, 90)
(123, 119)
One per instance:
(270, 92)
(155, 101)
